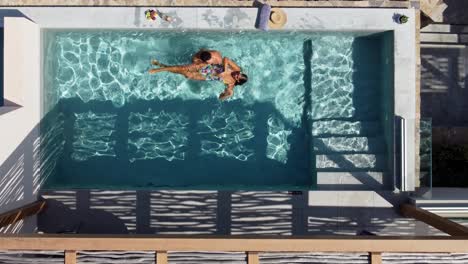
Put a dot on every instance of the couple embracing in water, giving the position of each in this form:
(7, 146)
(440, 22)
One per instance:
(208, 65)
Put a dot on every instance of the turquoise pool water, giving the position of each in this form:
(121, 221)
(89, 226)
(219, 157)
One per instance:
(312, 103)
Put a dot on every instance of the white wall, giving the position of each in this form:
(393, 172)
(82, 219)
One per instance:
(19, 131)
(21, 82)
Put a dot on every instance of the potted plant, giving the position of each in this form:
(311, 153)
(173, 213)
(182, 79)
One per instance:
(402, 19)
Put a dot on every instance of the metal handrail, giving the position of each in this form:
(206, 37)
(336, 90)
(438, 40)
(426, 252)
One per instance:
(404, 168)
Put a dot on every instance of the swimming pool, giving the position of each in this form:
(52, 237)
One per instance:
(314, 102)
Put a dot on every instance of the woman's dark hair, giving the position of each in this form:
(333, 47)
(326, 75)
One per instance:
(243, 79)
(205, 56)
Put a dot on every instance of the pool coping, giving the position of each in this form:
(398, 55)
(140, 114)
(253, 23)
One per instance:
(214, 3)
(417, 25)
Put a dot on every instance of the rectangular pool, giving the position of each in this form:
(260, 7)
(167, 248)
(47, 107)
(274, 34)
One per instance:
(314, 102)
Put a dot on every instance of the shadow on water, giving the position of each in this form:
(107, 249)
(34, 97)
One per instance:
(175, 144)
(303, 141)
(368, 100)
(365, 149)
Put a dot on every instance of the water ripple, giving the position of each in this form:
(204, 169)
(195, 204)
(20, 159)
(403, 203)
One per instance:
(112, 65)
(226, 134)
(157, 135)
(277, 140)
(93, 135)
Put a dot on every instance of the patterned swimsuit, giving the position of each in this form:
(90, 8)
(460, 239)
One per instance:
(211, 72)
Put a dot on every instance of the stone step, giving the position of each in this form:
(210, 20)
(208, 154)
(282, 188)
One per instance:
(350, 180)
(446, 38)
(444, 46)
(350, 162)
(445, 28)
(345, 128)
(372, 145)
(434, 9)
(349, 198)
(362, 108)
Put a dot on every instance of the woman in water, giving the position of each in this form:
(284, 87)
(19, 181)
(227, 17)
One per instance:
(229, 73)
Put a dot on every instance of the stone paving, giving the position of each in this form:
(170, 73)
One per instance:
(220, 3)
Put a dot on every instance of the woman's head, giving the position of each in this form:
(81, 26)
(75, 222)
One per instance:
(240, 78)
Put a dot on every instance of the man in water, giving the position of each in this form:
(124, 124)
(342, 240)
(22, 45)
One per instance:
(203, 56)
(207, 56)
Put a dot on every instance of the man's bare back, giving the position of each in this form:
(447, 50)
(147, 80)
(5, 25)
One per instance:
(207, 56)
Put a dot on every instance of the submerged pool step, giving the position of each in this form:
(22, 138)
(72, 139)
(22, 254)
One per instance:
(359, 180)
(350, 162)
(349, 144)
(345, 128)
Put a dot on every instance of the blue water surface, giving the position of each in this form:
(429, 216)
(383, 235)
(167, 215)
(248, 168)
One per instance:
(110, 124)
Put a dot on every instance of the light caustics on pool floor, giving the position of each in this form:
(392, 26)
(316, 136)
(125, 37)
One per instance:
(301, 85)
(165, 135)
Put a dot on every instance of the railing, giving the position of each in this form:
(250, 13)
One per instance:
(400, 155)
(161, 245)
(375, 246)
(16, 215)
(441, 223)
(404, 169)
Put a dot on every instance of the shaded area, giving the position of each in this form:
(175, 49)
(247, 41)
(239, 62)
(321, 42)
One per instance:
(444, 97)
(455, 13)
(450, 165)
(215, 212)
(306, 121)
(225, 147)
(20, 180)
